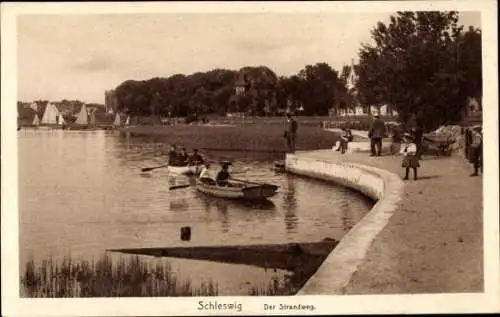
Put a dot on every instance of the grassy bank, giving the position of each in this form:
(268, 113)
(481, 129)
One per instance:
(259, 137)
(126, 277)
(134, 276)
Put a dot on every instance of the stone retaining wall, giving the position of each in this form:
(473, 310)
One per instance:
(380, 185)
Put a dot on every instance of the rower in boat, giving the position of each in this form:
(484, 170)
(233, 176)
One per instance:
(223, 176)
(196, 158)
(183, 157)
(173, 156)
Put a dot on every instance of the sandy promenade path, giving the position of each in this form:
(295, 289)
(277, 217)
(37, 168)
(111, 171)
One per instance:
(434, 241)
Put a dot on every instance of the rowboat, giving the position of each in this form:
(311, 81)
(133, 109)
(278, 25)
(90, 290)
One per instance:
(185, 170)
(249, 191)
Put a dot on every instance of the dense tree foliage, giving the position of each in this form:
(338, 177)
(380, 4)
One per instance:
(315, 88)
(421, 62)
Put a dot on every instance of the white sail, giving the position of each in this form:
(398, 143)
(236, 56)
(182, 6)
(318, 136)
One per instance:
(118, 120)
(60, 119)
(36, 120)
(127, 122)
(82, 117)
(50, 114)
(92, 117)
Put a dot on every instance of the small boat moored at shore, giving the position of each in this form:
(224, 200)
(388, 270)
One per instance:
(249, 191)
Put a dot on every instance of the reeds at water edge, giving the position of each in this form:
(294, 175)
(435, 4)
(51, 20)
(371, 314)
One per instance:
(125, 277)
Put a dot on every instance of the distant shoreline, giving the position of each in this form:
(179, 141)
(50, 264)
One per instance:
(238, 137)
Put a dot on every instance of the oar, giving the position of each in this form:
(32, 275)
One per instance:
(245, 181)
(147, 169)
(179, 186)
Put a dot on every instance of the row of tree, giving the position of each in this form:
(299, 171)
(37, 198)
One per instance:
(314, 89)
(420, 62)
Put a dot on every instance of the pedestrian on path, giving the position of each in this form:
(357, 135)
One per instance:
(477, 150)
(376, 133)
(410, 157)
(290, 132)
(345, 138)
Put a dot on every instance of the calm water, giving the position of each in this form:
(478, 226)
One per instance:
(81, 193)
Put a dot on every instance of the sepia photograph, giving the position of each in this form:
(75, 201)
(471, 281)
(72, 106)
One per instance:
(249, 158)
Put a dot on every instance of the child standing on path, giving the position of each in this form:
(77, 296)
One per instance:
(410, 158)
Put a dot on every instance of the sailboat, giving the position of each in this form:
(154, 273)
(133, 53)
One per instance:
(92, 117)
(82, 119)
(36, 121)
(50, 115)
(127, 122)
(60, 120)
(117, 121)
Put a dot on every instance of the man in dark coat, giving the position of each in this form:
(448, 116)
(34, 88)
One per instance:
(290, 132)
(476, 149)
(223, 176)
(376, 133)
(196, 158)
(173, 156)
(183, 157)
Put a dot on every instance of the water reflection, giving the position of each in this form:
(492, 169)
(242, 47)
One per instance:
(345, 213)
(222, 208)
(178, 204)
(84, 193)
(290, 206)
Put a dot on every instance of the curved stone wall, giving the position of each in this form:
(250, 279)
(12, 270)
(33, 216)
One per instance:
(383, 186)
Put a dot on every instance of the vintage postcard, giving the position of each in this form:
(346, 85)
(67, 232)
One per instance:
(278, 158)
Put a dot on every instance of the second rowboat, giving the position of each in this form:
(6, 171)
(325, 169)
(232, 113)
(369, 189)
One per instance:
(238, 191)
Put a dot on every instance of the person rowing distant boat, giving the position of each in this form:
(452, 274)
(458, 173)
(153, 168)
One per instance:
(195, 158)
(183, 157)
(173, 156)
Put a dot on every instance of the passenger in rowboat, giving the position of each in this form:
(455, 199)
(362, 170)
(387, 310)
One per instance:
(183, 157)
(195, 158)
(173, 156)
(205, 176)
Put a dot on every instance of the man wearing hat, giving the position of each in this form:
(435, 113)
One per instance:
(376, 133)
(223, 176)
(290, 132)
(477, 149)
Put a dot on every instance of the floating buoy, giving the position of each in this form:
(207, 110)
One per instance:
(186, 233)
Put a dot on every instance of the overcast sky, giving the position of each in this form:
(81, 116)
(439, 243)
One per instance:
(79, 57)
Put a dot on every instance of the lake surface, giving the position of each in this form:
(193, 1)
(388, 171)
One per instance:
(82, 193)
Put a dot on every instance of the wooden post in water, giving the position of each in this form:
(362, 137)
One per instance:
(186, 233)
